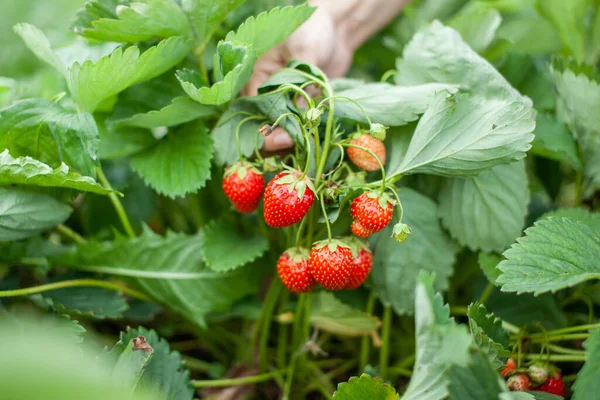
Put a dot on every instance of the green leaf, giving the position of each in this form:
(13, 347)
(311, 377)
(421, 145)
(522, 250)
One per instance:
(569, 20)
(164, 373)
(591, 219)
(226, 248)
(579, 97)
(488, 334)
(555, 254)
(37, 42)
(27, 171)
(488, 211)
(397, 266)
(586, 385)
(365, 387)
(62, 370)
(137, 22)
(157, 102)
(133, 360)
(119, 142)
(488, 263)
(169, 269)
(269, 28)
(519, 29)
(477, 381)
(438, 54)
(477, 27)
(535, 395)
(45, 131)
(94, 302)
(179, 111)
(554, 141)
(440, 344)
(463, 136)
(24, 214)
(387, 104)
(207, 15)
(92, 83)
(523, 308)
(329, 314)
(179, 163)
(233, 67)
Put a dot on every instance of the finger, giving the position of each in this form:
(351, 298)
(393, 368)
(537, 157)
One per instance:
(269, 63)
(278, 140)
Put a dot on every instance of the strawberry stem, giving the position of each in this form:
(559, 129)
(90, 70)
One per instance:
(384, 352)
(325, 216)
(116, 204)
(387, 74)
(364, 342)
(399, 202)
(237, 134)
(381, 167)
(321, 104)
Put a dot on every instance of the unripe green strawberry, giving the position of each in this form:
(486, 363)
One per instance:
(518, 383)
(377, 131)
(363, 159)
(292, 268)
(538, 372)
(287, 199)
(372, 210)
(243, 185)
(330, 264)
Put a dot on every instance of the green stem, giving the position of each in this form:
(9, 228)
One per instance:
(486, 293)
(398, 200)
(458, 310)
(563, 350)
(556, 357)
(71, 234)
(347, 99)
(116, 204)
(298, 234)
(378, 162)
(364, 342)
(325, 216)
(564, 330)
(194, 364)
(400, 371)
(282, 334)
(268, 308)
(561, 338)
(75, 283)
(384, 351)
(237, 134)
(387, 75)
(236, 381)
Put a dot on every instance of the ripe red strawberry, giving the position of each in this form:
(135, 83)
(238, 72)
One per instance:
(511, 365)
(330, 264)
(372, 210)
(360, 230)
(361, 158)
(292, 268)
(361, 266)
(243, 185)
(554, 385)
(519, 383)
(287, 199)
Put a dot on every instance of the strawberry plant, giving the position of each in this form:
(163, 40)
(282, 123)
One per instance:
(432, 234)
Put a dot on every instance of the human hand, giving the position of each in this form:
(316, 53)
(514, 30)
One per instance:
(328, 40)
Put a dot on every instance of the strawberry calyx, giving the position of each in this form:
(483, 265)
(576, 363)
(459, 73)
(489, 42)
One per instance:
(356, 245)
(383, 198)
(332, 244)
(401, 232)
(378, 131)
(293, 179)
(298, 254)
(241, 168)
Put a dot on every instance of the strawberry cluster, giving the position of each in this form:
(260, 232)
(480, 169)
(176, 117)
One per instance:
(539, 376)
(334, 264)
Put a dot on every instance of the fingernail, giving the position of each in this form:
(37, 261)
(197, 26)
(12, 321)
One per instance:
(282, 141)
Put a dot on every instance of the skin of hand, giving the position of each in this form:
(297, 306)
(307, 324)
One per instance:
(328, 40)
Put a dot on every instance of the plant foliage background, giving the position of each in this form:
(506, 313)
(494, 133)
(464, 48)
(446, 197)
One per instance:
(117, 120)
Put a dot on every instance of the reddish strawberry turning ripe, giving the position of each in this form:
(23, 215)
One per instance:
(554, 385)
(372, 211)
(287, 199)
(330, 264)
(243, 185)
(360, 230)
(519, 383)
(363, 159)
(511, 365)
(360, 268)
(292, 268)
